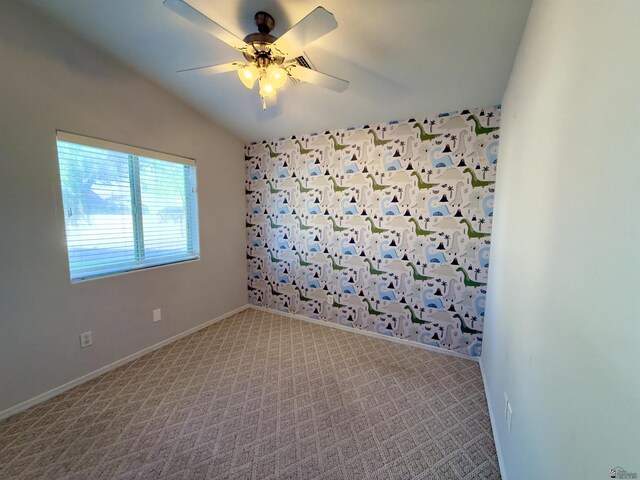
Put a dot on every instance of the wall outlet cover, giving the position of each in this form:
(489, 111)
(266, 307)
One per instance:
(86, 339)
(157, 315)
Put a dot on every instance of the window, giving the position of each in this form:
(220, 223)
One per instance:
(125, 208)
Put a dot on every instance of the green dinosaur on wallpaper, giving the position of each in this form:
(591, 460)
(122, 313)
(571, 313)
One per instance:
(302, 297)
(273, 224)
(249, 225)
(273, 190)
(420, 232)
(471, 233)
(302, 262)
(376, 185)
(274, 291)
(463, 326)
(375, 229)
(337, 305)
(377, 141)
(371, 310)
(303, 151)
(274, 259)
(302, 225)
(467, 281)
(334, 265)
(303, 189)
(272, 154)
(480, 130)
(337, 146)
(424, 136)
(372, 269)
(336, 227)
(414, 318)
(422, 185)
(336, 187)
(475, 181)
(416, 275)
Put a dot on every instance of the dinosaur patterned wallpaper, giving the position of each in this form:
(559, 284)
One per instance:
(384, 228)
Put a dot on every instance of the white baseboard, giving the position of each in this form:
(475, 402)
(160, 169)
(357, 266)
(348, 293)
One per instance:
(367, 333)
(494, 427)
(96, 373)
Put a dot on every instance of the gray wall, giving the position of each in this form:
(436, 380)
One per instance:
(562, 329)
(52, 80)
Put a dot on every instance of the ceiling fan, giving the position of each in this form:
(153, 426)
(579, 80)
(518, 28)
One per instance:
(269, 60)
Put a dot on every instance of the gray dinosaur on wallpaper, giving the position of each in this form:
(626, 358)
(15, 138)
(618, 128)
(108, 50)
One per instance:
(385, 228)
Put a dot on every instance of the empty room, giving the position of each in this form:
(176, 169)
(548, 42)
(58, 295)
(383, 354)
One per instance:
(365, 239)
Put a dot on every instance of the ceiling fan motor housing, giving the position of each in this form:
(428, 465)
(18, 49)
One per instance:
(261, 42)
(264, 22)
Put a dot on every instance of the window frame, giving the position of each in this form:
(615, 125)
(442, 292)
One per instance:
(192, 222)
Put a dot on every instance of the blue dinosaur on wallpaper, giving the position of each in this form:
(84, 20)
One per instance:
(434, 257)
(430, 301)
(388, 209)
(492, 152)
(385, 294)
(391, 161)
(437, 211)
(483, 257)
(347, 249)
(440, 161)
(487, 205)
(386, 251)
(349, 164)
(348, 207)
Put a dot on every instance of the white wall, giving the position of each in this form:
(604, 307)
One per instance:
(52, 80)
(562, 329)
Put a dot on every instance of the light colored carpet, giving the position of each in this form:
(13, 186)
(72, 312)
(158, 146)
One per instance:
(265, 397)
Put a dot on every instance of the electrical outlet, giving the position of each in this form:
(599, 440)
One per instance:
(330, 299)
(509, 417)
(157, 315)
(85, 339)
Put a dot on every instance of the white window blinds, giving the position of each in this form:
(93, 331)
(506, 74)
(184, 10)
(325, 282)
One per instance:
(125, 208)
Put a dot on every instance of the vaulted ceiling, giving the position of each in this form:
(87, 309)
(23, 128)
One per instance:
(403, 58)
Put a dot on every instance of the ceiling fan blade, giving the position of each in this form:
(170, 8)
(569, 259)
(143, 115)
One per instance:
(214, 69)
(315, 25)
(317, 78)
(182, 8)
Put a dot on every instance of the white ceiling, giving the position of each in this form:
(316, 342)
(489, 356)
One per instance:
(403, 58)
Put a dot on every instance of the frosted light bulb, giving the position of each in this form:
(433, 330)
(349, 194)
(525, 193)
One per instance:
(248, 75)
(277, 76)
(266, 88)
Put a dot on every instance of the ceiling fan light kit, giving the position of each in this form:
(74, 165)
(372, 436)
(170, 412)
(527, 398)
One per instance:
(271, 60)
(277, 76)
(248, 75)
